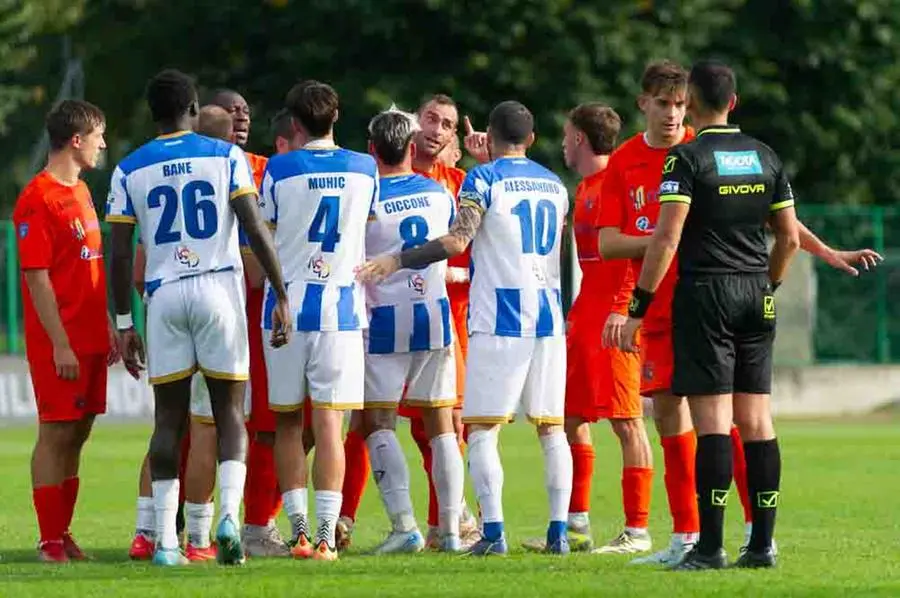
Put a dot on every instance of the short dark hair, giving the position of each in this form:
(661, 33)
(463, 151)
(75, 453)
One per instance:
(599, 123)
(714, 84)
(391, 133)
(511, 122)
(315, 105)
(170, 94)
(215, 122)
(72, 117)
(281, 124)
(441, 99)
(663, 76)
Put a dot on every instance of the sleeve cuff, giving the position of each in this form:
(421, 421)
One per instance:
(468, 203)
(781, 205)
(243, 191)
(675, 198)
(121, 219)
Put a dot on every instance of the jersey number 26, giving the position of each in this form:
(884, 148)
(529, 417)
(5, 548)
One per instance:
(200, 218)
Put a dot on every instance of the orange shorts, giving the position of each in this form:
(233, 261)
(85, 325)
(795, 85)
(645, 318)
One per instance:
(61, 400)
(601, 383)
(657, 363)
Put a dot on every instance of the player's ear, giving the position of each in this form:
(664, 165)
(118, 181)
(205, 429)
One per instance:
(733, 102)
(371, 148)
(530, 141)
(412, 150)
(76, 140)
(642, 102)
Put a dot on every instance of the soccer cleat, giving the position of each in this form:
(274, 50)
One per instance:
(485, 547)
(73, 550)
(626, 543)
(142, 548)
(433, 538)
(672, 555)
(579, 540)
(301, 548)
(343, 533)
(52, 552)
(469, 529)
(228, 538)
(748, 530)
(751, 559)
(402, 543)
(560, 546)
(264, 541)
(169, 557)
(324, 552)
(450, 543)
(695, 561)
(196, 554)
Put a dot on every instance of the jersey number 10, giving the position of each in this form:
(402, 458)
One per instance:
(538, 227)
(200, 217)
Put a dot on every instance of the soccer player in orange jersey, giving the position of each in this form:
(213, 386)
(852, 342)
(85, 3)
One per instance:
(70, 340)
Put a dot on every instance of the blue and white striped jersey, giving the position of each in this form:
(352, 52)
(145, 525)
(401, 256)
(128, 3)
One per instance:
(515, 266)
(318, 199)
(177, 188)
(409, 310)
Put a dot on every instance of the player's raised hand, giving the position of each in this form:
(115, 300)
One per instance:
(848, 260)
(612, 330)
(476, 142)
(66, 363)
(378, 268)
(132, 349)
(628, 342)
(282, 324)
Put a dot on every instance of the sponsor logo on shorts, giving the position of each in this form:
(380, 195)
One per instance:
(417, 283)
(737, 163)
(319, 267)
(643, 224)
(23, 230)
(669, 187)
(538, 272)
(186, 257)
(719, 498)
(767, 500)
(769, 307)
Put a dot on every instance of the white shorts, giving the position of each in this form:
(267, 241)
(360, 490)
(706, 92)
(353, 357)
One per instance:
(201, 405)
(428, 376)
(330, 365)
(199, 321)
(505, 373)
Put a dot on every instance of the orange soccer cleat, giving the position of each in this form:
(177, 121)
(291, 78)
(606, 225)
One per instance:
(324, 552)
(52, 552)
(302, 548)
(142, 548)
(73, 550)
(197, 554)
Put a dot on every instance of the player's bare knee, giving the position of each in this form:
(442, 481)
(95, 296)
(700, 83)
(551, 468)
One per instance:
(630, 431)
(438, 421)
(753, 417)
(671, 415)
(376, 420)
(548, 429)
(165, 454)
(578, 431)
(711, 414)
(288, 421)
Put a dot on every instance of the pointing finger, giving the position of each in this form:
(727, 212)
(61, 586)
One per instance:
(468, 125)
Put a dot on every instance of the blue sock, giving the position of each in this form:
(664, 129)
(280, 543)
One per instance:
(555, 531)
(493, 530)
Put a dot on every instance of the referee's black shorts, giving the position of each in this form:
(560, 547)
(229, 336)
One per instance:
(723, 330)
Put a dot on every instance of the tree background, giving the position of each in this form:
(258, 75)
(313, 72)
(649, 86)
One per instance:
(819, 80)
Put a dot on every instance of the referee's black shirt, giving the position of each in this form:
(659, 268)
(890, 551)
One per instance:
(733, 183)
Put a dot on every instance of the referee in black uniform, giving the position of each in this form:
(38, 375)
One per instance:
(718, 194)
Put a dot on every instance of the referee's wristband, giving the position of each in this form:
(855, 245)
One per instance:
(124, 321)
(640, 302)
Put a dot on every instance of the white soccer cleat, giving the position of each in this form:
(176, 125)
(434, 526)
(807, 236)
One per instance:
(627, 542)
(402, 543)
(669, 557)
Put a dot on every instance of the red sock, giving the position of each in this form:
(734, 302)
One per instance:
(637, 485)
(679, 454)
(356, 474)
(260, 479)
(417, 430)
(582, 476)
(70, 497)
(49, 505)
(739, 466)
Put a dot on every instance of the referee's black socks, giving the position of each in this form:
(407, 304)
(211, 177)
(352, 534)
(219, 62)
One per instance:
(763, 482)
(714, 470)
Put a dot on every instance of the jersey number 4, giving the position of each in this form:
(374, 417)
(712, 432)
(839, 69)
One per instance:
(538, 225)
(200, 217)
(324, 226)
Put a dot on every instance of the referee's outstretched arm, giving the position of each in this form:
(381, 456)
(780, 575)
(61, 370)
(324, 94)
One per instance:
(787, 242)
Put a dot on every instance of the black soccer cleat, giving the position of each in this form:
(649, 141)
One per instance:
(750, 559)
(696, 561)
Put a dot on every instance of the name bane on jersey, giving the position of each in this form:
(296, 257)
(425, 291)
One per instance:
(407, 203)
(179, 168)
(526, 185)
(327, 182)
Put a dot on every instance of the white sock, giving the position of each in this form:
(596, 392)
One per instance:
(198, 519)
(392, 476)
(165, 505)
(637, 531)
(146, 517)
(448, 472)
(579, 521)
(328, 507)
(487, 474)
(690, 538)
(296, 504)
(557, 473)
(232, 475)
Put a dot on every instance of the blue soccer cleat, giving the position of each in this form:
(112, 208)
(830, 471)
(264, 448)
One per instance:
(169, 557)
(228, 540)
(485, 547)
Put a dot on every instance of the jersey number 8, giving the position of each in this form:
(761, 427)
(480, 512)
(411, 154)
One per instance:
(538, 228)
(414, 232)
(200, 218)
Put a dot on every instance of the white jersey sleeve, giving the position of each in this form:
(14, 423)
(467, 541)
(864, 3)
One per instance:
(241, 182)
(515, 282)
(118, 204)
(409, 311)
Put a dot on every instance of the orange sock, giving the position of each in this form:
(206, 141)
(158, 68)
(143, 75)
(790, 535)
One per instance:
(679, 454)
(637, 485)
(70, 497)
(49, 505)
(356, 474)
(260, 480)
(582, 476)
(417, 430)
(739, 468)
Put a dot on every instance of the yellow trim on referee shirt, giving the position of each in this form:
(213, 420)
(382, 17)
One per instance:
(121, 219)
(174, 376)
(722, 129)
(675, 198)
(225, 375)
(781, 205)
(471, 204)
(243, 191)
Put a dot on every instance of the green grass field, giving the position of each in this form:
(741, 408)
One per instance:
(838, 530)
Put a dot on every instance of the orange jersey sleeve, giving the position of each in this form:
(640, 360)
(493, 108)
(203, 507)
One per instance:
(257, 167)
(32, 230)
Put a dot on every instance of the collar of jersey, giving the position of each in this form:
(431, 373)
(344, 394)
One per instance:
(174, 135)
(318, 144)
(719, 129)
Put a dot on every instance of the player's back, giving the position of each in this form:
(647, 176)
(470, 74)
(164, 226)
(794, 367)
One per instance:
(409, 310)
(178, 188)
(318, 199)
(515, 280)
